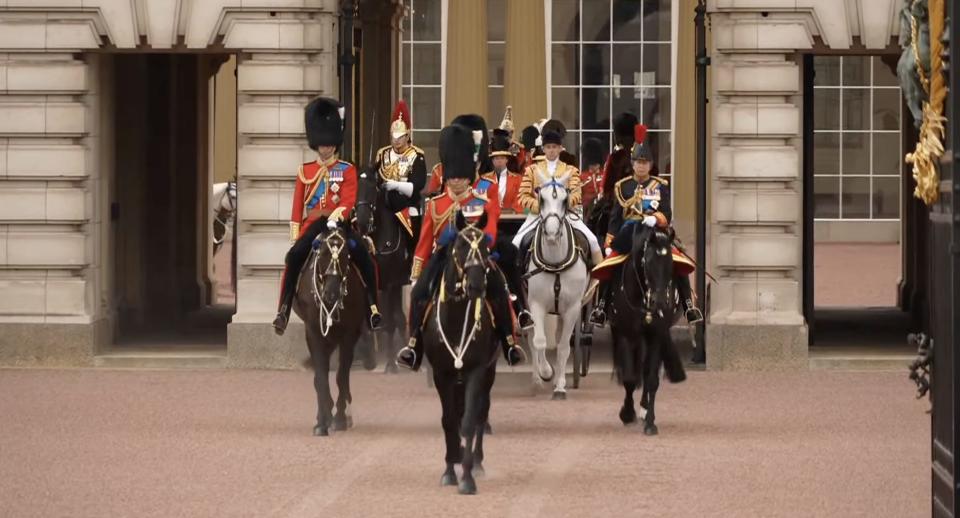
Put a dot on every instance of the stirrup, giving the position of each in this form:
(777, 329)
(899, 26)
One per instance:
(519, 354)
(375, 318)
(525, 319)
(407, 357)
(694, 315)
(598, 317)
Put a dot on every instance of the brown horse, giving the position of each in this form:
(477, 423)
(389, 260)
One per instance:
(330, 301)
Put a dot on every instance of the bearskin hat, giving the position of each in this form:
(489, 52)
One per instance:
(552, 137)
(528, 137)
(477, 123)
(623, 125)
(555, 126)
(592, 152)
(500, 143)
(323, 121)
(457, 145)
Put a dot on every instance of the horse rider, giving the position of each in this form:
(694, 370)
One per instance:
(558, 127)
(516, 148)
(403, 172)
(461, 159)
(642, 199)
(325, 193)
(552, 168)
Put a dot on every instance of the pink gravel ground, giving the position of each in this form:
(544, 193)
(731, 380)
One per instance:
(97, 443)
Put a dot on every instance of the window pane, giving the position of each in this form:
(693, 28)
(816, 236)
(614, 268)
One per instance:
(426, 63)
(656, 108)
(856, 198)
(626, 100)
(496, 20)
(883, 75)
(564, 64)
(826, 153)
(856, 109)
(495, 107)
(428, 141)
(826, 197)
(656, 63)
(660, 144)
(596, 20)
(627, 20)
(426, 20)
(565, 107)
(887, 157)
(405, 64)
(425, 108)
(571, 143)
(826, 109)
(596, 64)
(656, 20)
(495, 63)
(826, 70)
(566, 20)
(626, 64)
(886, 109)
(596, 108)
(856, 153)
(886, 198)
(856, 70)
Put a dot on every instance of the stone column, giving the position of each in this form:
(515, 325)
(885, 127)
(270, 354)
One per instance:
(466, 60)
(525, 71)
(273, 86)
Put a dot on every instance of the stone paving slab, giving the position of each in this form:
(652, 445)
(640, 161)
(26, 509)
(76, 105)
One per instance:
(237, 443)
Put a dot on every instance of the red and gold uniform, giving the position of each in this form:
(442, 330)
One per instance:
(324, 189)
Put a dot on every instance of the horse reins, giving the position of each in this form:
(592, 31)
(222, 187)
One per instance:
(332, 314)
(473, 259)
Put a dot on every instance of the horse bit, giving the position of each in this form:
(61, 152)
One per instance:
(474, 258)
(335, 243)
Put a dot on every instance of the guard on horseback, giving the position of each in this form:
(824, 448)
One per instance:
(462, 193)
(402, 172)
(552, 168)
(325, 193)
(642, 199)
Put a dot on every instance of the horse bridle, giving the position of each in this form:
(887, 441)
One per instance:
(335, 242)
(372, 226)
(474, 259)
(644, 283)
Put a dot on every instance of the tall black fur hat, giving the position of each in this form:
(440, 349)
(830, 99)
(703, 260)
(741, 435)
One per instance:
(552, 137)
(555, 126)
(476, 123)
(323, 120)
(592, 152)
(457, 151)
(500, 143)
(623, 125)
(529, 137)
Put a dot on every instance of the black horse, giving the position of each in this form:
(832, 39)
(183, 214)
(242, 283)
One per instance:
(331, 302)
(460, 344)
(393, 254)
(642, 313)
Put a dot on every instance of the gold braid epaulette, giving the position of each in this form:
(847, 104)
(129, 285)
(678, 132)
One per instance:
(926, 156)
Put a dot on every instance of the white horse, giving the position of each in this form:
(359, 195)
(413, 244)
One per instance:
(558, 278)
(223, 204)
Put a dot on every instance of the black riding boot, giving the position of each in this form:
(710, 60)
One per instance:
(296, 256)
(411, 356)
(498, 297)
(361, 257)
(508, 263)
(690, 309)
(283, 311)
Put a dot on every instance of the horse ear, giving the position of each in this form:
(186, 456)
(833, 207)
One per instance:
(461, 221)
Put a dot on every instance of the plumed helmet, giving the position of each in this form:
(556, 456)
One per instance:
(507, 122)
(623, 125)
(400, 124)
(457, 152)
(323, 121)
(500, 143)
(641, 148)
(592, 152)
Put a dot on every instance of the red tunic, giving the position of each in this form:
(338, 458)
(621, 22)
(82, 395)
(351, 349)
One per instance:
(590, 186)
(512, 188)
(441, 213)
(323, 190)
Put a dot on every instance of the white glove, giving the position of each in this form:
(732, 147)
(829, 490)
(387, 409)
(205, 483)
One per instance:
(404, 188)
(607, 251)
(650, 221)
(331, 224)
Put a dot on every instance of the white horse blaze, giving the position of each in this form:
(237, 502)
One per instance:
(573, 284)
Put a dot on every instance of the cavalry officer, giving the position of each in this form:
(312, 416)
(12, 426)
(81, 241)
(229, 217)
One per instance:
(553, 168)
(403, 172)
(642, 199)
(460, 157)
(591, 175)
(516, 148)
(325, 193)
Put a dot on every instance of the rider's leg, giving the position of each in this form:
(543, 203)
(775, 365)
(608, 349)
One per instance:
(361, 257)
(508, 263)
(296, 256)
(596, 254)
(498, 297)
(691, 310)
(411, 355)
(620, 245)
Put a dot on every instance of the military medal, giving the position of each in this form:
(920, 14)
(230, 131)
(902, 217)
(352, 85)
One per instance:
(335, 188)
(335, 199)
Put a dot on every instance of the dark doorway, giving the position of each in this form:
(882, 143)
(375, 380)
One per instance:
(162, 203)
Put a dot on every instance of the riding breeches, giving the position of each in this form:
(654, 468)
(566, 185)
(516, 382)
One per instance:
(575, 221)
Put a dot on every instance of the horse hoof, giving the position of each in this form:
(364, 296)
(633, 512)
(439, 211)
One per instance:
(449, 478)
(548, 377)
(467, 486)
(650, 429)
(559, 396)
(342, 424)
(320, 431)
(478, 471)
(627, 416)
(487, 429)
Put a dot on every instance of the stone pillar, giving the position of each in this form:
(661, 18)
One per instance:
(466, 60)
(273, 86)
(684, 184)
(525, 71)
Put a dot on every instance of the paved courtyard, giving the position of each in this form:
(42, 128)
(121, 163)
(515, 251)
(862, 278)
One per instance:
(140, 443)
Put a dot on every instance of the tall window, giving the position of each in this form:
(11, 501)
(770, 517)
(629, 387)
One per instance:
(857, 153)
(608, 57)
(420, 63)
